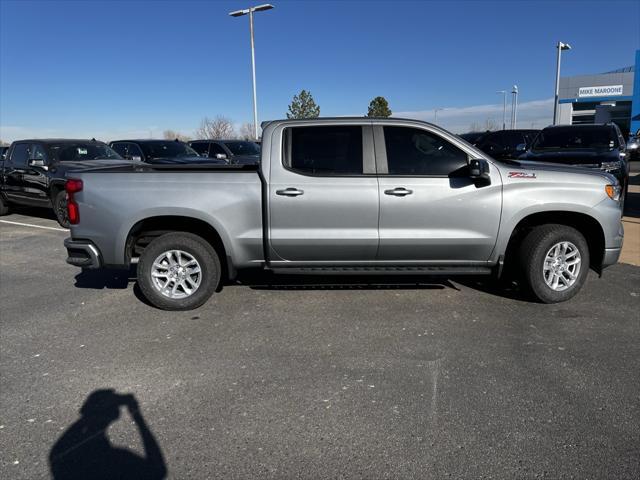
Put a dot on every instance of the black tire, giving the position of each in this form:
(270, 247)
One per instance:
(4, 208)
(533, 251)
(195, 246)
(60, 209)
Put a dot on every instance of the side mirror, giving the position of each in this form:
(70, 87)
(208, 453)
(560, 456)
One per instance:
(479, 169)
(221, 156)
(36, 162)
(521, 147)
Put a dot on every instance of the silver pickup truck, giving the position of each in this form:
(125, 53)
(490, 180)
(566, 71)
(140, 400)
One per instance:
(346, 196)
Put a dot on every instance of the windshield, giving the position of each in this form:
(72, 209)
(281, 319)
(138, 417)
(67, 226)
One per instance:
(243, 148)
(168, 149)
(594, 138)
(70, 152)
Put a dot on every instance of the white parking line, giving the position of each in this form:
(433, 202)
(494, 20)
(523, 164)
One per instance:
(34, 226)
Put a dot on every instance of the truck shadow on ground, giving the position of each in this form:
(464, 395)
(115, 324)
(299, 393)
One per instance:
(84, 450)
(259, 280)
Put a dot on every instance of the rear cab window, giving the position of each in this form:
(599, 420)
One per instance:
(324, 150)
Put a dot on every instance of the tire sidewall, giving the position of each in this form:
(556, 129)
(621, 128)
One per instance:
(202, 251)
(62, 218)
(534, 272)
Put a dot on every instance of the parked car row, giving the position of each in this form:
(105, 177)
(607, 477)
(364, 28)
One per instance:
(33, 171)
(600, 146)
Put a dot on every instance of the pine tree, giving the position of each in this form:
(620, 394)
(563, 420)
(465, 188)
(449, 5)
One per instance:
(303, 106)
(379, 107)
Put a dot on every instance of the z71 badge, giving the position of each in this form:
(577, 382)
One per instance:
(521, 175)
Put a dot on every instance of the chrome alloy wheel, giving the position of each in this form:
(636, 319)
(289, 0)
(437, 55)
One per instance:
(176, 274)
(561, 266)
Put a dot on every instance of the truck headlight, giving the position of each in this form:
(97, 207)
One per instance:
(611, 166)
(613, 192)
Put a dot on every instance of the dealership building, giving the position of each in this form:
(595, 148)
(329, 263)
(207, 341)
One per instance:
(604, 97)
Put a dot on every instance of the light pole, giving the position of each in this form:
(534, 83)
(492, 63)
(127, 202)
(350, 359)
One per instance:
(504, 108)
(514, 107)
(240, 13)
(435, 114)
(560, 46)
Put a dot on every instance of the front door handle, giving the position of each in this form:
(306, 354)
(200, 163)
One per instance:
(290, 192)
(398, 192)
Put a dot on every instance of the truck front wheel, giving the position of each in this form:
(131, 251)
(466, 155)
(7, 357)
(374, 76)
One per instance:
(555, 262)
(178, 271)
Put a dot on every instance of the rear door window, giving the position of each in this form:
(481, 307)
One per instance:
(324, 150)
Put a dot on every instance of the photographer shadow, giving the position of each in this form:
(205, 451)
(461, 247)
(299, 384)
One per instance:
(85, 451)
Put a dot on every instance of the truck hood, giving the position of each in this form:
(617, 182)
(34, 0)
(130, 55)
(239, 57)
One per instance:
(593, 158)
(564, 171)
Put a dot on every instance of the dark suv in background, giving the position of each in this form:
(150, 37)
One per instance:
(590, 145)
(233, 151)
(504, 144)
(33, 171)
(158, 151)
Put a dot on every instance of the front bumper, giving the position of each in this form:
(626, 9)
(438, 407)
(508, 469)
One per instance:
(610, 257)
(82, 253)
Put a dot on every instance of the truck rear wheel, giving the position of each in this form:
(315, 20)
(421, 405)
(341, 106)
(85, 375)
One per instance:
(555, 262)
(178, 271)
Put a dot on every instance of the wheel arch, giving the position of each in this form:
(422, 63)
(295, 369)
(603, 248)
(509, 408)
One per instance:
(145, 230)
(587, 225)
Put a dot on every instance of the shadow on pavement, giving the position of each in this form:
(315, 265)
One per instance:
(99, 279)
(264, 280)
(632, 205)
(37, 212)
(84, 451)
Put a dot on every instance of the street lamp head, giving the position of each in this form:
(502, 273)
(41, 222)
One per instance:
(564, 46)
(238, 13)
(260, 8)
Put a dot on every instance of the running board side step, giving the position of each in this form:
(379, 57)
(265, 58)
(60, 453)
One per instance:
(380, 270)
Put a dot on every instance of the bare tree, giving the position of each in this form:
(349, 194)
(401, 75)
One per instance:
(475, 127)
(218, 128)
(246, 132)
(173, 135)
(490, 125)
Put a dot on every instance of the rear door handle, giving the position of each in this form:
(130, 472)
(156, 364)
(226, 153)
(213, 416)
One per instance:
(290, 192)
(398, 192)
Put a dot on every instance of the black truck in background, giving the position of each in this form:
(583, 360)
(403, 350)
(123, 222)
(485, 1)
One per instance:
(32, 172)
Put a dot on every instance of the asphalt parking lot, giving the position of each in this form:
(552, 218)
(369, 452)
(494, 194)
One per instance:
(448, 378)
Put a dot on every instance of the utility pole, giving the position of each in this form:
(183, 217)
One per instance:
(504, 108)
(250, 11)
(514, 107)
(560, 46)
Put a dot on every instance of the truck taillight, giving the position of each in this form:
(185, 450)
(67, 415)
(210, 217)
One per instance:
(73, 186)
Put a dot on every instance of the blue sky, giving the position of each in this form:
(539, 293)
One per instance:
(135, 68)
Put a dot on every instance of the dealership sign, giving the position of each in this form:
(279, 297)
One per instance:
(606, 90)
